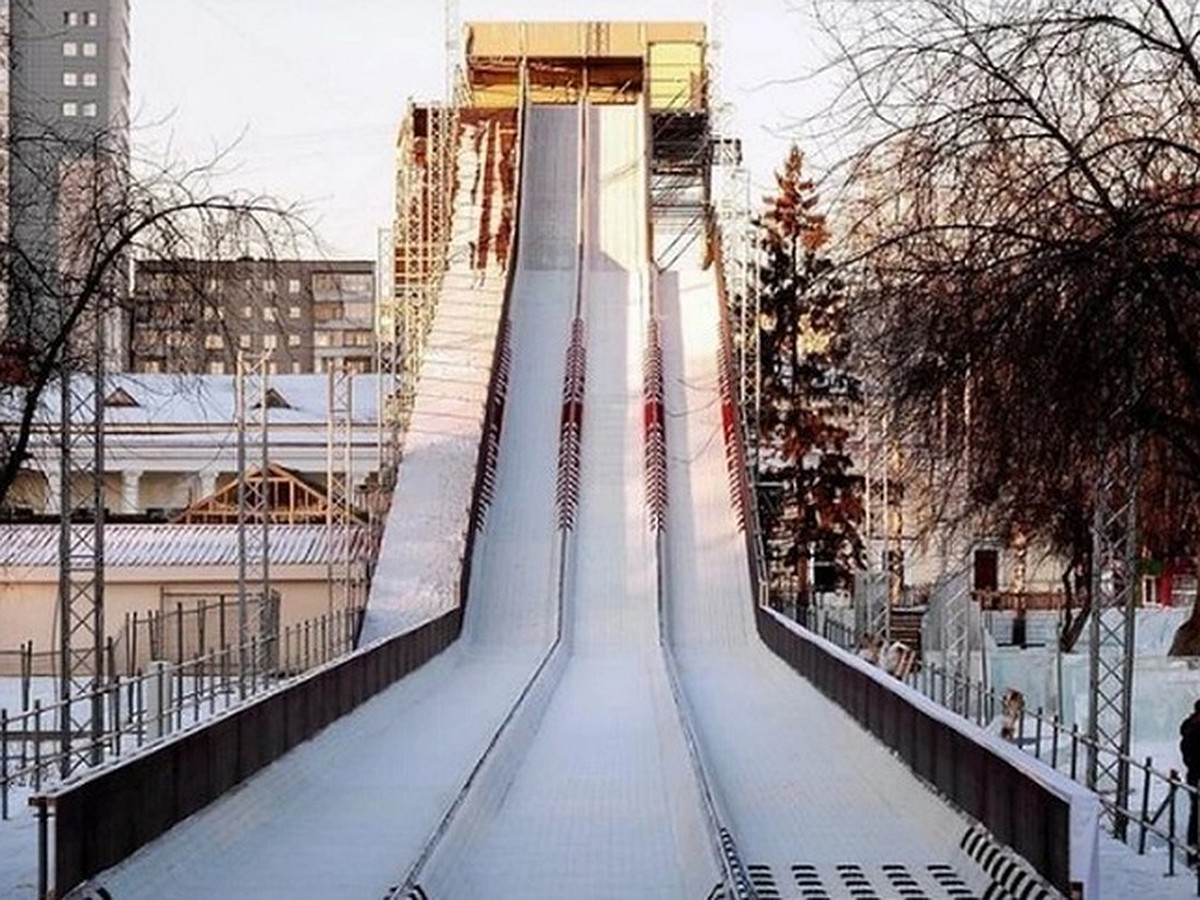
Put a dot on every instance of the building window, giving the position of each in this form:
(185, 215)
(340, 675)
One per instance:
(268, 314)
(293, 340)
(268, 285)
(321, 339)
(70, 79)
(212, 285)
(70, 48)
(89, 110)
(247, 311)
(150, 366)
(216, 367)
(70, 109)
(70, 19)
(89, 79)
(210, 313)
(269, 341)
(92, 19)
(273, 368)
(296, 368)
(89, 48)
(293, 285)
(293, 312)
(214, 342)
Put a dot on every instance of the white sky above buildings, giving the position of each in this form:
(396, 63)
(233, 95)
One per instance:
(307, 94)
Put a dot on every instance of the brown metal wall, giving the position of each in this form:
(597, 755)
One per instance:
(1014, 807)
(104, 819)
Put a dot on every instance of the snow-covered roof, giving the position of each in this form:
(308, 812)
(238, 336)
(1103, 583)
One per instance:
(139, 400)
(182, 545)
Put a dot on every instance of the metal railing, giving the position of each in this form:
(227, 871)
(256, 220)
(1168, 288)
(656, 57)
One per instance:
(160, 700)
(1161, 809)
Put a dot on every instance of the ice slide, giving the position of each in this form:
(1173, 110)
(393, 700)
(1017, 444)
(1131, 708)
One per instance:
(812, 801)
(346, 813)
(598, 797)
(545, 754)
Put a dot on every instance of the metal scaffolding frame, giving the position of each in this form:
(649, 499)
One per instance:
(339, 488)
(253, 512)
(1114, 595)
(425, 184)
(81, 540)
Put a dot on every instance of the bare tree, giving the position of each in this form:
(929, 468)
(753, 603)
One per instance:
(66, 278)
(1025, 235)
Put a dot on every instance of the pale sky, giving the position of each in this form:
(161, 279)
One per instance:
(309, 93)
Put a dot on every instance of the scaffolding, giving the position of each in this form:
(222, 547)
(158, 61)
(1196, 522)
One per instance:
(340, 512)
(253, 507)
(81, 541)
(1114, 591)
(424, 194)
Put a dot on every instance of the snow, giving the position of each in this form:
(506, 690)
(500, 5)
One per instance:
(346, 813)
(585, 789)
(424, 539)
(799, 781)
(602, 803)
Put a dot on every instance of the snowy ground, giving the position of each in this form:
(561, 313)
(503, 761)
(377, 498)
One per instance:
(599, 800)
(346, 813)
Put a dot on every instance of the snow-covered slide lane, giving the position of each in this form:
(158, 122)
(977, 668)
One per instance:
(602, 800)
(804, 789)
(347, 813)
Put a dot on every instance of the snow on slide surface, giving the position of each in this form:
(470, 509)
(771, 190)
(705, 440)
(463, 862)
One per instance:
(603, 803)
(346, 813)
(800, 781)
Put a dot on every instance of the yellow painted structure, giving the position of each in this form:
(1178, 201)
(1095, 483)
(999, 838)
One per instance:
(614, 62)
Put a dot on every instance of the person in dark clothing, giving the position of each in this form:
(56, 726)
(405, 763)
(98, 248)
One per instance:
(1189, 749)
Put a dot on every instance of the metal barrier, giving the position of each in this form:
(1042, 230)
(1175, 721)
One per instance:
(110, 813)
(1019, 810)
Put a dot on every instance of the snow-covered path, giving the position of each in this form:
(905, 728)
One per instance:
(603, 803)
(344, 814)
(800, 782)
(590, 792)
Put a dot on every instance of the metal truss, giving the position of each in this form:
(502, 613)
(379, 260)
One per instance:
(1114, 599)
(252, 386)
(339, 487)
(81, 542)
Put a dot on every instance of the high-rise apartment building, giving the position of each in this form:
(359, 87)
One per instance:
(68, 137)
(196, 316)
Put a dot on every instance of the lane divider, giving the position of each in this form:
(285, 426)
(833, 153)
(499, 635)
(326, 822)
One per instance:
(494, 423)
(654, 428)
(571, 428)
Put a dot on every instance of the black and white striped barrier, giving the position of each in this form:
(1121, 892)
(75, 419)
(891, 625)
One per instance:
(654, 428)
(1008, 872)
(571, 429)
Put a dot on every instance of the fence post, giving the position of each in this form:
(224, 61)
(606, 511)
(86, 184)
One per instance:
(1145, 807)
(37, 745)
(1173, 793)
(43, 851)
(3, 765)
(159, 699)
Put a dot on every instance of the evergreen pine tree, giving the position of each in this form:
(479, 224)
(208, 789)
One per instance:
(810, 501)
